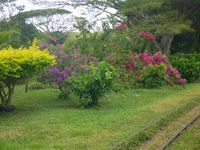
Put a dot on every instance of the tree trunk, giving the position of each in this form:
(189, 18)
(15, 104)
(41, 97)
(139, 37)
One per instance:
(165, 44)
(26, 87)
(6, 92)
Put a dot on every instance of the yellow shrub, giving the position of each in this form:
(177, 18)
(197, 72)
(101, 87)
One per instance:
(22, 62)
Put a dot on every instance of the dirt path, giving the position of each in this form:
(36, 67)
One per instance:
(163, 136)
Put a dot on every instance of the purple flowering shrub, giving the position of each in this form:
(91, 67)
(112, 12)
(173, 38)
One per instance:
(57, 75)
(67, 65)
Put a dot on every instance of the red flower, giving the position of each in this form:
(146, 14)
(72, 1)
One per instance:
(131, 64)
(181, 81)
(159, 58)
(146, 58)
(121, 26)
(147, 35)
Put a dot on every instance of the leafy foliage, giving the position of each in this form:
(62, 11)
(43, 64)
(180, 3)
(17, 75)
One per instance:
(41, 12)
(188, 64)
(152, 76)
(154, 71)
(67, 65)
(16, 64)
(92, 84)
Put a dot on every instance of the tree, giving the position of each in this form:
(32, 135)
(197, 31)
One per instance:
(8, 8)
(46, 20)
(17, 64)
(190, 41)
(165, 18)
(16, 32)
(158, 17)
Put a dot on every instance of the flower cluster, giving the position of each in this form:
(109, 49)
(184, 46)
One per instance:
(147, 35)
(146, 58)
(68, 65)
(51, 44)
(157, 59)
(121, 26)
(171, 71)
(58, 46)
(57, 75)
(131, 64)
(84, 67)
(44, 46)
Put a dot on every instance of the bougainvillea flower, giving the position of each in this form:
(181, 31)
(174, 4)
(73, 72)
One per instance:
(121, 26)
(147, 35)
(131, 64)
(182, 81)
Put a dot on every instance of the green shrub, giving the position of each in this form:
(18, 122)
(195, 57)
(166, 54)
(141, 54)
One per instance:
(152, 76)
(188, 65)
(92, 84)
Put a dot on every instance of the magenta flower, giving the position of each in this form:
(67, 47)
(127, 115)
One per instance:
(59, 46)
(146, 58)
(57, 75)
(84, 67)
(121, 26)
(131, 64)
(182, 81)
(159, 58)
(172, 74)
(147, 35)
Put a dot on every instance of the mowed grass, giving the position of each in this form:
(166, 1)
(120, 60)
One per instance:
(189, 140)
(42, 121)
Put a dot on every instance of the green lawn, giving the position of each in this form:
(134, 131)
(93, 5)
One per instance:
(188, 140)
(42, 121)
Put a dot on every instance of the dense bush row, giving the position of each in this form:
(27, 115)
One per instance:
(188, 64)
(88, 77)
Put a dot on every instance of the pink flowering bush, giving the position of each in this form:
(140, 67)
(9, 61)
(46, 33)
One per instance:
(154, 71)
(147, 42)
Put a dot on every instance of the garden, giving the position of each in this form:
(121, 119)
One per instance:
(124, 78)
